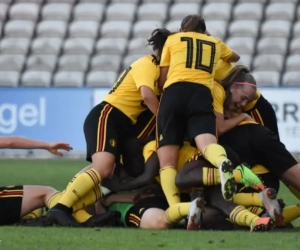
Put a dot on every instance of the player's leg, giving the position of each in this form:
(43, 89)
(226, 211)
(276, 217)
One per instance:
(236, 213)
(101, 136)
(170, 133)
(145, 125)
(201, 126)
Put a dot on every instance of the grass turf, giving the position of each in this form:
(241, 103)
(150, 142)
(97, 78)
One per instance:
(57, 173)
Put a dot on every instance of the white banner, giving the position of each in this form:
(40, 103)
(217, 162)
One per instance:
(286, 103)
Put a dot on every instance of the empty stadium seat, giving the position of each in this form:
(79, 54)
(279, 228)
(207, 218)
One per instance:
(295, 45)
(111, 46)
(36, 78)
(291, 78)
(78, 46)
(268, 62)
(186, 1)
(28, 1)
(179, 10)
(268, 45)
(6, 1)
(254, 1)
(129, 59)
(57, 11)
(52, 29)
(242, 45)
(18, 28)
(68, 78)
(274, 28)
(116, 29)
(106, 62)
(94, 1)
(248, 11)
(73, 63)
(298, 12)
(46, 45)
(14, 46)
(0, 29)
(120, 12)
(216, 28)
(101, 78)
(125, 1)
(280, 11)
(222, 1)
(173, 26)
(245, 60)
(293, 63)
(290, 1)
(3, 11)
(139, 45)
(244, 28)
(12, 62)
(157, 1)
(152, 11)
(296, 29)
(84, 29)
(88, 11)
(9, 78)
(145, 28)
(216, 11)
(62, 1)
(266, 78)
(41, 63)
(24, 11)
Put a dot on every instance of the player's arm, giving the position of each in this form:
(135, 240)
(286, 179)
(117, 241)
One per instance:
(25, 143)
(150, 98)
(227, 54)
(147, 177)
(123, 198)
(164, 64)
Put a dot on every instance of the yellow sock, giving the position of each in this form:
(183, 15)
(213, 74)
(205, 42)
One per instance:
(211, 176)
(256, 210)
(248, 200)
(176, 212)
(71, 181)
(291, 213)
(89, 199)
(294, 191)
(167, 179)
(81, 216)
(53, 199)
(34, 214)
(215, 154)
(242, 217)
(81, 185)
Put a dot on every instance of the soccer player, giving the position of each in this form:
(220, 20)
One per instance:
(18, 201)
(187, 70)
(112, 121)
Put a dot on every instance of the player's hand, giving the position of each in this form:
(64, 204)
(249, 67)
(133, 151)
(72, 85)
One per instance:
(54, 147)
(247, 117)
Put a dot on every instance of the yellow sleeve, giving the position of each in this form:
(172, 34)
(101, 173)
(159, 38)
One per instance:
(165, 55)
(148, 149)
(219, 98)
(145, 73)
(226, 52)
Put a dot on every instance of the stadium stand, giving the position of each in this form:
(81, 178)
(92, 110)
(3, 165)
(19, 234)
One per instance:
(89, 42)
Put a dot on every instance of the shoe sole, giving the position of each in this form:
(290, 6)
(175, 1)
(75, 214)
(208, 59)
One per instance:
(264, 227)
(193, 224)
(277, 217)
(229, 187)
(58, 222)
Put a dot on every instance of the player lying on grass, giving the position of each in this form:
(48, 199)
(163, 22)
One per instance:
(19, 201)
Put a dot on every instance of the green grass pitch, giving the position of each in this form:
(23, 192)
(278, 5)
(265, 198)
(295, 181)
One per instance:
(57, 173)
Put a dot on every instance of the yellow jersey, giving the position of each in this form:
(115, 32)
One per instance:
(192, 57)
(186, 152)
(222, 69)
(219, 97)
(125, 94)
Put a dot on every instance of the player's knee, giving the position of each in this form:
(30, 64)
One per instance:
(103, 163)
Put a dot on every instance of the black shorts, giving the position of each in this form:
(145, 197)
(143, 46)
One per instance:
(145, 125)
(264, 114)
(104, 127)
(256, 144)
(134, 214)
(10, 204)
(185, 108)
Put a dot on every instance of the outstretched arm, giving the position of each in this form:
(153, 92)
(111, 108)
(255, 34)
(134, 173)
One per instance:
(14, 142)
